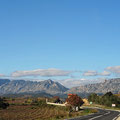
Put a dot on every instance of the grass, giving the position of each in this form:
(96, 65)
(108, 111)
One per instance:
(39, 113)
(17, 111)
(104, 107)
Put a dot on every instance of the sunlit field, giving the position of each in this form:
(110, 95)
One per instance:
(27, 111)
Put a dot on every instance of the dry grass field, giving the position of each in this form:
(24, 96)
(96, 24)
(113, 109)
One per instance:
(29, 112)
(17, 111)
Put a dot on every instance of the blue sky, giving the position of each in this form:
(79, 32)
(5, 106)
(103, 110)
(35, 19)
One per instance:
(69, 35)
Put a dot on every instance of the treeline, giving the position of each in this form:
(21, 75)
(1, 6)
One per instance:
(107, 99)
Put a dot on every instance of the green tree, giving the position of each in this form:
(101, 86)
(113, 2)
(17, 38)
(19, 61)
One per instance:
(107, 99)
(94, 98)
(3, 104)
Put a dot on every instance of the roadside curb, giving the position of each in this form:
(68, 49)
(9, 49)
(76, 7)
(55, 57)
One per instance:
(118, 117)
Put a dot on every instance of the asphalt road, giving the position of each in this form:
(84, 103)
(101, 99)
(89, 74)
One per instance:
(100, 115)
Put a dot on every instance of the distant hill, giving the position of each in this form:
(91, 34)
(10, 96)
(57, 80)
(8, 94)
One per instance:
(49, 88)
(112, 85)
(22, 86)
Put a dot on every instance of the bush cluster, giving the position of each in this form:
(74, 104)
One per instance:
(107, 99)
(3, 104)
(41, 103)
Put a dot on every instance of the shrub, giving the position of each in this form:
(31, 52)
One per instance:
(107, 99)
(3, 104)
(39, 102)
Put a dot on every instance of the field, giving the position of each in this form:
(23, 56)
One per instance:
(18, 110)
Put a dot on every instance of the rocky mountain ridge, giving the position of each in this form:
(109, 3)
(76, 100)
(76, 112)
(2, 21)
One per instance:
(112, 85)
(54, 88)
(22, 86)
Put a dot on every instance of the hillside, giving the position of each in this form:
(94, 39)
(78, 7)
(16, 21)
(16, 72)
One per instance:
(49, 87)
(22, 86)
(112, 85)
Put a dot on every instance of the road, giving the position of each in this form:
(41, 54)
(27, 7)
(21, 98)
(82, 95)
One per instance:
(100, 115)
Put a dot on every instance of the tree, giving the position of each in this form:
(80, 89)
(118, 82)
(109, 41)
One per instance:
(74, 100)
(94, 98)
(108, 94)
(3, 105)
(107, 99)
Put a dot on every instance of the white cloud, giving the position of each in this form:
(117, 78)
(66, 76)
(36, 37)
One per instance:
(105, 73)
(114, 69)
(2, 75)
(42, 72)
(72, 82)
(95, 73)
(90, 73)
(83, 79)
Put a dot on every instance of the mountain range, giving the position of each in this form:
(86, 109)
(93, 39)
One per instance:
(21, 86)
(50, 87)
(112, 85)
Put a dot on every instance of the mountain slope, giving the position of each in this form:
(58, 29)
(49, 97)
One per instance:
(3, 81)
(22, 86)
(112, 85)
